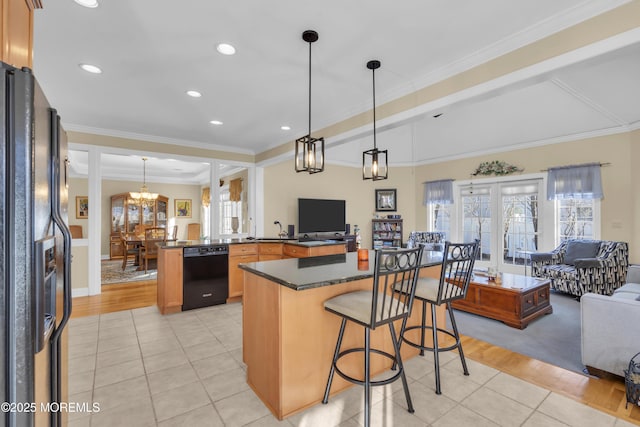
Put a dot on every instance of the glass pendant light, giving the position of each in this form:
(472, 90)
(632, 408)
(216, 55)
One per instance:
(309, 151)
(375, 165)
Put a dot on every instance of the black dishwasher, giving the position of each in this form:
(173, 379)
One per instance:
(205, 277)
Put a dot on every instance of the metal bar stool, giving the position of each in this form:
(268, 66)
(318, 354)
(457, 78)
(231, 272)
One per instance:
(390, 299)
(457, 267)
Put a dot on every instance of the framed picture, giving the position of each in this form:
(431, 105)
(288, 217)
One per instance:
(82, 207)
(183, 208)
(386, 200)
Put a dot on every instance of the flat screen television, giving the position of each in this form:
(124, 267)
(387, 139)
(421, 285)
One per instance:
(321, 216)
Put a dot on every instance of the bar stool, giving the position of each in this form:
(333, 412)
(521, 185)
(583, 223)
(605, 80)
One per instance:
(457, 267)
(390, 299)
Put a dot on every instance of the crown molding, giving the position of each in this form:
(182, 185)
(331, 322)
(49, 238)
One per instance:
(154, 138)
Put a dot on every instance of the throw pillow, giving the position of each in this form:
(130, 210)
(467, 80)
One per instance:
(580, 249)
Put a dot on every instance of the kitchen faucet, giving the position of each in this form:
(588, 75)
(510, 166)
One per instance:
(282, 234)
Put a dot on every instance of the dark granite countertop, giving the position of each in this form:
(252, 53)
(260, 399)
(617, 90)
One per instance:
(314, 272)
(245, 240)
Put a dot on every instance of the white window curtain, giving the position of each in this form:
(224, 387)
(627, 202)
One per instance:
(575, 182)
(438, 192)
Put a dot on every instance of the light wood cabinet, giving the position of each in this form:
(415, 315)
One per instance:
(125, 216)
(298, 251)
(243, 249)
(253, 252)
(239, 254)
(16, 36)
(269, 251)
(170, 280)
(170, 267)
(116, 248)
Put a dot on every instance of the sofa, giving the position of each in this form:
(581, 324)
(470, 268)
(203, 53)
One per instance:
(609, 327)
(580, 266)
(431, 240)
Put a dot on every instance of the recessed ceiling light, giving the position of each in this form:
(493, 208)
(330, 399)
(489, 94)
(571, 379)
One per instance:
(225, 49)
(216, 122)
(285, 127)
(171, 160)
(91, 68)
(194, 93)
(87, 3)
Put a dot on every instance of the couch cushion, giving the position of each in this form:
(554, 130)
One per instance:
(626, 295)
(633, 288)
(559, 270)
(579, 249)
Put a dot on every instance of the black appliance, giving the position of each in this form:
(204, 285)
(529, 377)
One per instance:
(35, 247)
(205, 276)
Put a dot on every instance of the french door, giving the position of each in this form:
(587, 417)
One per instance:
(505, 218)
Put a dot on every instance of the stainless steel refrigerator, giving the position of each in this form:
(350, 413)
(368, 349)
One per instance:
(35, 246)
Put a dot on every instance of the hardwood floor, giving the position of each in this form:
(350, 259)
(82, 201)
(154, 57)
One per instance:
(116, 297)
(607, 394)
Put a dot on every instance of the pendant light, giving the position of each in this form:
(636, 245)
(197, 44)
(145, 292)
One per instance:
(144, 197)
(309, 151)
(375, 165)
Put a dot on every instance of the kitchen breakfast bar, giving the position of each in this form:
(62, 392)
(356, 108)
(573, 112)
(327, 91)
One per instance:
(288, 337)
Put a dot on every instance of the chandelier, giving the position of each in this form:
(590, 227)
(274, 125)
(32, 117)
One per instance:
(144, 197)
(309, 151)
(375, 164)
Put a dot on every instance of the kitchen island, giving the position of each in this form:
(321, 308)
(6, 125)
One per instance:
(288, 337)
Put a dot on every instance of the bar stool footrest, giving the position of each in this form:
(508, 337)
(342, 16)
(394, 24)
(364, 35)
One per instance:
(361, 382)
(439, 349)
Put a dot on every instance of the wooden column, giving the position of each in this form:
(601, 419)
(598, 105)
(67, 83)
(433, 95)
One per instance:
(16, 35)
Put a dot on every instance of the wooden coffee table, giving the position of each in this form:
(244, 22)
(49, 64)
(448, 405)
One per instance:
(516, 301)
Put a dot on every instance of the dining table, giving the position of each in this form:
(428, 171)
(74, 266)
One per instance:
(132, 240)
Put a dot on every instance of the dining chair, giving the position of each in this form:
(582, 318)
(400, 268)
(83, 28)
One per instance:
(155, 233)
(150, 251)
(455, 274)
(173, 233)
(152, 237)
(389, 299)
(193, 231)
(129, 249)
(139, 229)
(76, 231)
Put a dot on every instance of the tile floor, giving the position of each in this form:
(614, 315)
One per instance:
(186, 369)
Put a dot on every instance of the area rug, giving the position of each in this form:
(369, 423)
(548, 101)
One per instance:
(112, 272)
(553, 338)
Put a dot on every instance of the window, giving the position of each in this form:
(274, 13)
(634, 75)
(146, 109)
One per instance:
(476, 218)
(225, 211)
(230, 212)
(520, 222)
(575, 219)
(438, 196)
(206, 221)
(440, 218)
(576, 190)
(512, 219)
